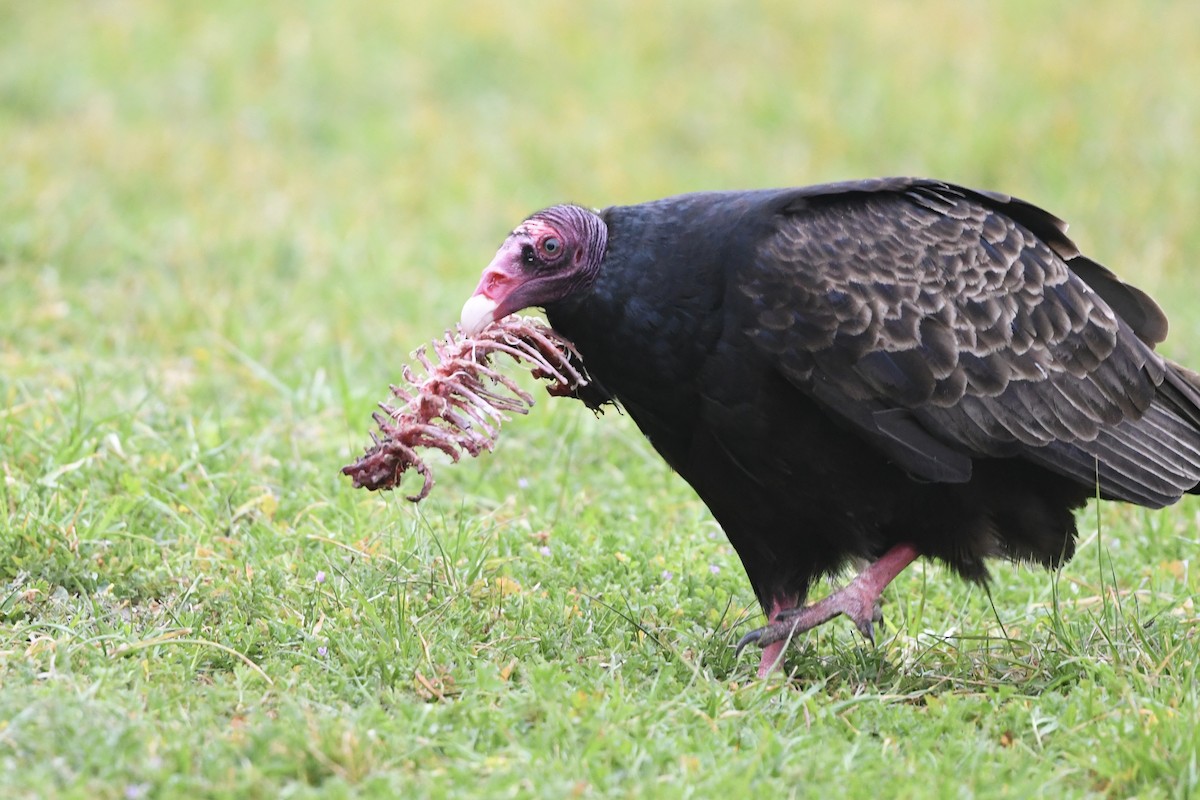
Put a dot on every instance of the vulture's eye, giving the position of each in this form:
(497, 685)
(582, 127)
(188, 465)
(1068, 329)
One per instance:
(552, 246)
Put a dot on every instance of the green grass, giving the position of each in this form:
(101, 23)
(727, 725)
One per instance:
(224, 226)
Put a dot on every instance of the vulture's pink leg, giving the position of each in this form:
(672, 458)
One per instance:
(858, 600)
(772, 654)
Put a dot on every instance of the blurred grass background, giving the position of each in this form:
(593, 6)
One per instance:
(224, 226)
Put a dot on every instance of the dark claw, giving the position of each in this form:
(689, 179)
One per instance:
(750, 638)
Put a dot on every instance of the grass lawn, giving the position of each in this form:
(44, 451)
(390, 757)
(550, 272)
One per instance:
(223, 228)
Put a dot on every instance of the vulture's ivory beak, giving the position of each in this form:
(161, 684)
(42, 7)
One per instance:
(477, 313)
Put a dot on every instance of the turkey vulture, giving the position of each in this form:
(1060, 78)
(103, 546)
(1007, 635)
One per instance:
(875, 370)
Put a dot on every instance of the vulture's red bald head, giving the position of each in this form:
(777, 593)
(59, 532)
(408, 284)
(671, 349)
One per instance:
(550, 256)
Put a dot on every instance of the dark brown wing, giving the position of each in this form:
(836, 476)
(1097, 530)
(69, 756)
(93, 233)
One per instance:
(949, 325)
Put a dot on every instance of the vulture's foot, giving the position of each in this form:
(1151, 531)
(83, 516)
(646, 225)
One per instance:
(858, 600)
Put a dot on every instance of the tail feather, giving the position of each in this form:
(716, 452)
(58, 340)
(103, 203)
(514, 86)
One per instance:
(1151, 460)
(1181, 391)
